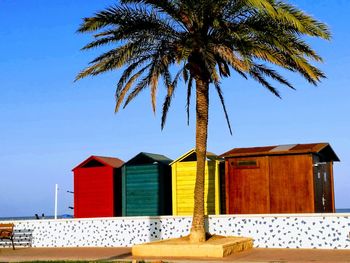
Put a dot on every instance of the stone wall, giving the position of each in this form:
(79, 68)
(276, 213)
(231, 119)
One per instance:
(328, 231)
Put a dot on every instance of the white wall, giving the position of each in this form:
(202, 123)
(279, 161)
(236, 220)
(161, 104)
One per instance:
(272, 231)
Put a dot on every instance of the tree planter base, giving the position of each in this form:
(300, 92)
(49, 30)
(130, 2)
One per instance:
(214, 247)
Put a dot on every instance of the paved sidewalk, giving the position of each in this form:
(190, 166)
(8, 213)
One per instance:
(30, 254)
(123, 254)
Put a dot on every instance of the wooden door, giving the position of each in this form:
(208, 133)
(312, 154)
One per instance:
(291, 184)
(248, 186)
(323, 188)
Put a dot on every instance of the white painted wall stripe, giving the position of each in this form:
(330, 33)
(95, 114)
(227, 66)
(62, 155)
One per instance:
(324, 231)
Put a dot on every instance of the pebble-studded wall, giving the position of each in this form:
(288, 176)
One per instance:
(271, 231)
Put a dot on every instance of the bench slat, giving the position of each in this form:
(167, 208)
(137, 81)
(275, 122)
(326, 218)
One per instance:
(6, 232)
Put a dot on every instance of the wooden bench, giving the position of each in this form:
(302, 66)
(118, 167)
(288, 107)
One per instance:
(6, 232)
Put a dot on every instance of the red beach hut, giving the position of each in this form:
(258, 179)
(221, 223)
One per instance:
(97, 187)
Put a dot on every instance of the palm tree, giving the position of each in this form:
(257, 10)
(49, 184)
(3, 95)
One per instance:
(201, 41)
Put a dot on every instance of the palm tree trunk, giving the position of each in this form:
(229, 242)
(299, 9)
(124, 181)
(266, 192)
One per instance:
(202, 107)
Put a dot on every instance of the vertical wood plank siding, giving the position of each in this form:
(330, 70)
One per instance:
(248, 186)
(183, 181)
(295, 183)
(142, 190)
(146, 185)
(291, 184)
(290, 178)
(94, 192)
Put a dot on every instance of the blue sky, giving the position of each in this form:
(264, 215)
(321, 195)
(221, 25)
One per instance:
(48, 124)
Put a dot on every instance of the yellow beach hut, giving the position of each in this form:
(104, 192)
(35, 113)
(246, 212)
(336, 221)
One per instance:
(183, 180)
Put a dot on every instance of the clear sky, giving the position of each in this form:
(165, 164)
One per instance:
(48, 124)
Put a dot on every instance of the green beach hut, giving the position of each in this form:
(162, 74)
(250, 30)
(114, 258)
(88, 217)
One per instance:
(146, 185)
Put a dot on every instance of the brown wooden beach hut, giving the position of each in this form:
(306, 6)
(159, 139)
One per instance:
(296, 178)
(97, 187)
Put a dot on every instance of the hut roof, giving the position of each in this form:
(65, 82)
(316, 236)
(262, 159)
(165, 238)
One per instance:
(192, 153)
(109, 161)
(144, 157)
(322, 149)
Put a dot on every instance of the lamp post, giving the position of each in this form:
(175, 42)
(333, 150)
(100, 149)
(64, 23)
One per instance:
(56, 193)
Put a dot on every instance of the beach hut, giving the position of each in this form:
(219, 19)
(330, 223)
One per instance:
(296, 178)
(146, 184)
(97, 187)
(183, 180)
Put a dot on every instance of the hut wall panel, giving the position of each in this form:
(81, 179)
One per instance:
(291, 184)
(94, 195)
(183, 187)
(248, 187)
(141, 190)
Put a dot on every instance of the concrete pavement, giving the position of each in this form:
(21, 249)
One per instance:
(124, 254)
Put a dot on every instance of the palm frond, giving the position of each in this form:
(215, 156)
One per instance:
(128, 71)
(185, 74)
(177, 10)
(167, 101)
(140, 86)
(219, 91)
(208, 38)
(257, 75)
(262, 5)
(100, 42)
(166, 6)
(153, 85)
(228, 55)
(110, 16)
(120, 94)
(113, 59)
(303, 22)
(188, 100)
(272, 74)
